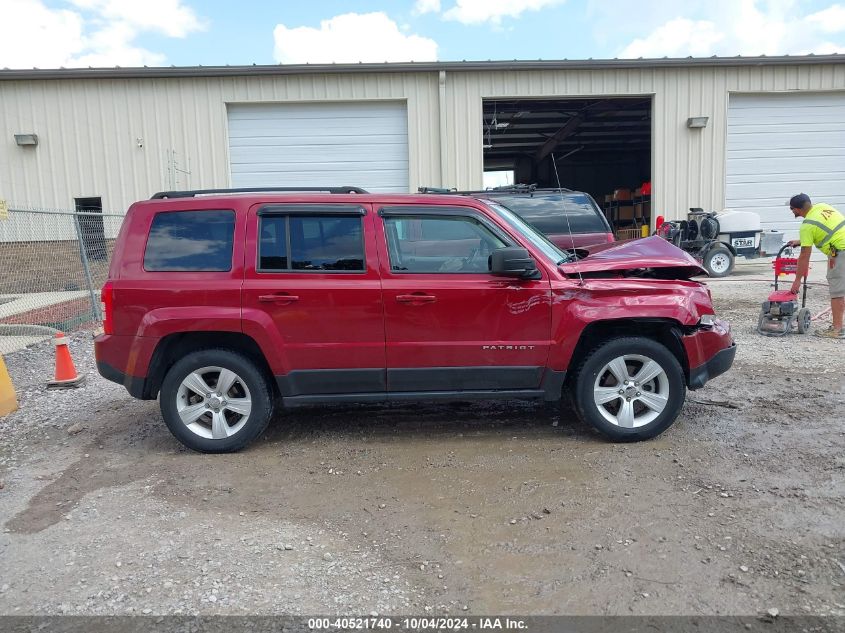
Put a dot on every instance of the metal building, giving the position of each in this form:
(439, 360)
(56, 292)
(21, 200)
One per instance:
(712, 133)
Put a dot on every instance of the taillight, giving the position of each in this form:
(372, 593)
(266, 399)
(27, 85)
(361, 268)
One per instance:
(107, 302)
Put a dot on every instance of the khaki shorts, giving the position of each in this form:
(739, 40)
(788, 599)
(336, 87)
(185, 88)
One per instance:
(836, 276)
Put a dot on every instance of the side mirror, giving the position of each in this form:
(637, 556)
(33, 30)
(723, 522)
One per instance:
(513, 261)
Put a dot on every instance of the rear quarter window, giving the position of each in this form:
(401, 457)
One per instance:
(181, 241)
(557, 213)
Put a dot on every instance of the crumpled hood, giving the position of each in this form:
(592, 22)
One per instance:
(650, 252)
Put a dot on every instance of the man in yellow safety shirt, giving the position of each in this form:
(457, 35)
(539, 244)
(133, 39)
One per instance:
(824, 228)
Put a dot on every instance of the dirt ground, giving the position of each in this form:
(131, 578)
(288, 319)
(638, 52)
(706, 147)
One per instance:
(460, 508)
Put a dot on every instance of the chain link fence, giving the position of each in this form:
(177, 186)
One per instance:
(53, 264)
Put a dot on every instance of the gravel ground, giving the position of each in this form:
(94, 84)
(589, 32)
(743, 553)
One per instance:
(460, 508)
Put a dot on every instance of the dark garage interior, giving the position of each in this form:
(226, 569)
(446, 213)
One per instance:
(600, 145)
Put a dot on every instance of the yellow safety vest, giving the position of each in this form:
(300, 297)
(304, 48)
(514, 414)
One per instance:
(824, 227)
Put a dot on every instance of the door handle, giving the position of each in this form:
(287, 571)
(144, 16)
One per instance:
(278, 298)
(416, 298)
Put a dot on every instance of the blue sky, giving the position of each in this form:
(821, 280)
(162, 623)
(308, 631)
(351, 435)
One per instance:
(52, 33)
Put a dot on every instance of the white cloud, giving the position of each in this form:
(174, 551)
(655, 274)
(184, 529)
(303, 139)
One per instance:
(169, 17)
(480, 11)
(32, 35)
(111, 46)
(350, 38)
(830, 20)
(91, 33)
(741, 27)
(677, 38)
(426, 6)
(824, 48)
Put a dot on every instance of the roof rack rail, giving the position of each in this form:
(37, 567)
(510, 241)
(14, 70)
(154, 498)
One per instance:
(516, 187)
(503, 189)
(200, 192)
(437, 190)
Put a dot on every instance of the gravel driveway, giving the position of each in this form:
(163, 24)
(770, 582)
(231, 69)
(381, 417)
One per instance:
(420, 508)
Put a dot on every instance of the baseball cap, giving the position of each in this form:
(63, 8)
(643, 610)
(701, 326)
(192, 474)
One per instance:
(798, 201)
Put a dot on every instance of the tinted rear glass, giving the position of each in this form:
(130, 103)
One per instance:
(190, 241)
(273, 247)
(548, 213)
(330, 242)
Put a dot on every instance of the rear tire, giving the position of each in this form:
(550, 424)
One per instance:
(650, 402)
(719, 261)
(216, 401)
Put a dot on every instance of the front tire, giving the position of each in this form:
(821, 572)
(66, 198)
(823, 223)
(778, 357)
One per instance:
(629, 389)
(215, 401)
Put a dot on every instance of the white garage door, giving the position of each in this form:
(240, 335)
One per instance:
(363, 144)
(780, 145)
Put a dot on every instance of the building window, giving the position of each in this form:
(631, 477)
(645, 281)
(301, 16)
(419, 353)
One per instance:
(497, 178)
(91, 229)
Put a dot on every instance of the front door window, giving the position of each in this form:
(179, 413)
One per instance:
(420, 244)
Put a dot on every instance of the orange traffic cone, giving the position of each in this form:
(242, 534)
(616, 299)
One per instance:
(8, 399)
(66, 376)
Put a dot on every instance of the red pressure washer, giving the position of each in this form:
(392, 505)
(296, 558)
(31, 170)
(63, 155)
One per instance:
(778, 316)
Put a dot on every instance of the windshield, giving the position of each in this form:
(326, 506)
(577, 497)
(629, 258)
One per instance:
(539, 240)
(558, 213)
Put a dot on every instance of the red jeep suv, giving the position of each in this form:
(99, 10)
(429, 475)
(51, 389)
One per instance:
(224, 304)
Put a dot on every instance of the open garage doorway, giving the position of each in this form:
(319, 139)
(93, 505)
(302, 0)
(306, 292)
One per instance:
(601, 146)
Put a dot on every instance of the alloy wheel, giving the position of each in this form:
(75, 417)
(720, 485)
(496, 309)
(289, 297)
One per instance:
(631, 391)
(213, 402)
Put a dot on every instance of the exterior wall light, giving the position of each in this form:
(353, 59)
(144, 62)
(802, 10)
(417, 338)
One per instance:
(26, 139)
(697, 121)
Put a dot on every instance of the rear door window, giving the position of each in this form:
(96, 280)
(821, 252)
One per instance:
(557, 213)
(182, 241)
(313, 242)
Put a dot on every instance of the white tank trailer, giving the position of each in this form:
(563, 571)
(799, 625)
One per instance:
(717, 238)
(741, 230)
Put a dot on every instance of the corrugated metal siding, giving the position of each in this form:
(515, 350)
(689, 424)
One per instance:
(688, 166)
(88, 128)
(88, 131)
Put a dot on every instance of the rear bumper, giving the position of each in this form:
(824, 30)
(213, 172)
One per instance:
(120, 358)
(133, 384)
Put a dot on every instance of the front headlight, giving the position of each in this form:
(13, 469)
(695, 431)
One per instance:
(707, 319)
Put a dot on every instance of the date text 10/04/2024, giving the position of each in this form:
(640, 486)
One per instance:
(417, 624)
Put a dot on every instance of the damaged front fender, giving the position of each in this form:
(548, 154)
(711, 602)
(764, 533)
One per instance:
(621, 304)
